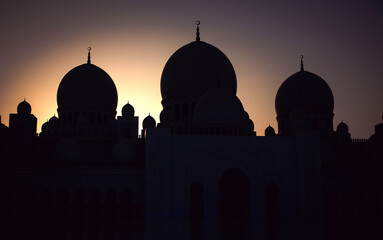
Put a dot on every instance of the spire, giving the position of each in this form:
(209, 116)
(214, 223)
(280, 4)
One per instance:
(89, 48)
(302, 69)
(197, 23)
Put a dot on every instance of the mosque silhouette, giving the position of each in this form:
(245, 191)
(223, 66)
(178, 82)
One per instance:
(200, 173)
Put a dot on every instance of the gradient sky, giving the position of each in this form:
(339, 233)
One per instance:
(342, 41)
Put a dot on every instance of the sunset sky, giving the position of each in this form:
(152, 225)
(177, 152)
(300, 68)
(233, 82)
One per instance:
(342, 41)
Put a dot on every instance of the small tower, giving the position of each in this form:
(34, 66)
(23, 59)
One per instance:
(149, 122)
(22, 126)
(127, 124)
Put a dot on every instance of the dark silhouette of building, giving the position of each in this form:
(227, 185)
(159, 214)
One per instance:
(201, 173)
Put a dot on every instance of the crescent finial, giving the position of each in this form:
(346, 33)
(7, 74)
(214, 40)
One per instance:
(89, 48)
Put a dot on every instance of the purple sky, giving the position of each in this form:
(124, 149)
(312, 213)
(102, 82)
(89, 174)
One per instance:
(342, 42)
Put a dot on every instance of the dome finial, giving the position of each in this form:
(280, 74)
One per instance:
(302, 69)
(89, 48)
(197, 23)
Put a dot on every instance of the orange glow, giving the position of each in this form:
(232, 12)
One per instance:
(135, 63)
(135, 69)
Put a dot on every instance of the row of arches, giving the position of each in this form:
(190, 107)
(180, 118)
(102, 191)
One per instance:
(184, 110)
(92, 118)
(48, 205)
(74, 214)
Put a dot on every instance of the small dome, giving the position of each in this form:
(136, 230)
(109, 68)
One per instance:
(269, 131)
(342, 128)
(24, 108)
(127, 110)
(45, 127)
(219, 106)
(196, 68)
(304, 91)
(87, 87)
(149, 122)
(165, 115)
(54, 121)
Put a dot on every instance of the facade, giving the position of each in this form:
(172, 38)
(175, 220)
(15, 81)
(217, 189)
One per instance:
(201, 173)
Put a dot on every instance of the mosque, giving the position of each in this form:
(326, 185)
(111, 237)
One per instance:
(200, 173)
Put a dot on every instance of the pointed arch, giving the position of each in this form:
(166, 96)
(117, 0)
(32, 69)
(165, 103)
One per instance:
(234, 190)
(196, 200)
(273, 219)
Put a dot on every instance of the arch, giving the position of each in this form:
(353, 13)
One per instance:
(94, 215)
(196, 200)
(78, 214)
(234, 190)
(46, 205)
(110, 204)
(196, 210)
(125, 205)
(273, 220)
(109, 219)
(62, 205)
(193, 108)
(185, 110)
(176, 112)
(29, 203)
(94, 204)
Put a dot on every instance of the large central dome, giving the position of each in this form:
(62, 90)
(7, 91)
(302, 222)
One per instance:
(194, 69)
(87, 87)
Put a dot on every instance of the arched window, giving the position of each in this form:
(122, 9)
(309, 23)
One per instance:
(185, 110)
(110, 204)
(196, 210)
(176, 112)
(234, 191)
(46, 205)
(62, 206)
(78, 213)
(92, 117)
(125, 205)
(94, 204)
(193, 108)
(196, 200)
(75, 117)
(94, 214)
(29, 202)
(105, 120)
(109, 219)
(272, 211)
